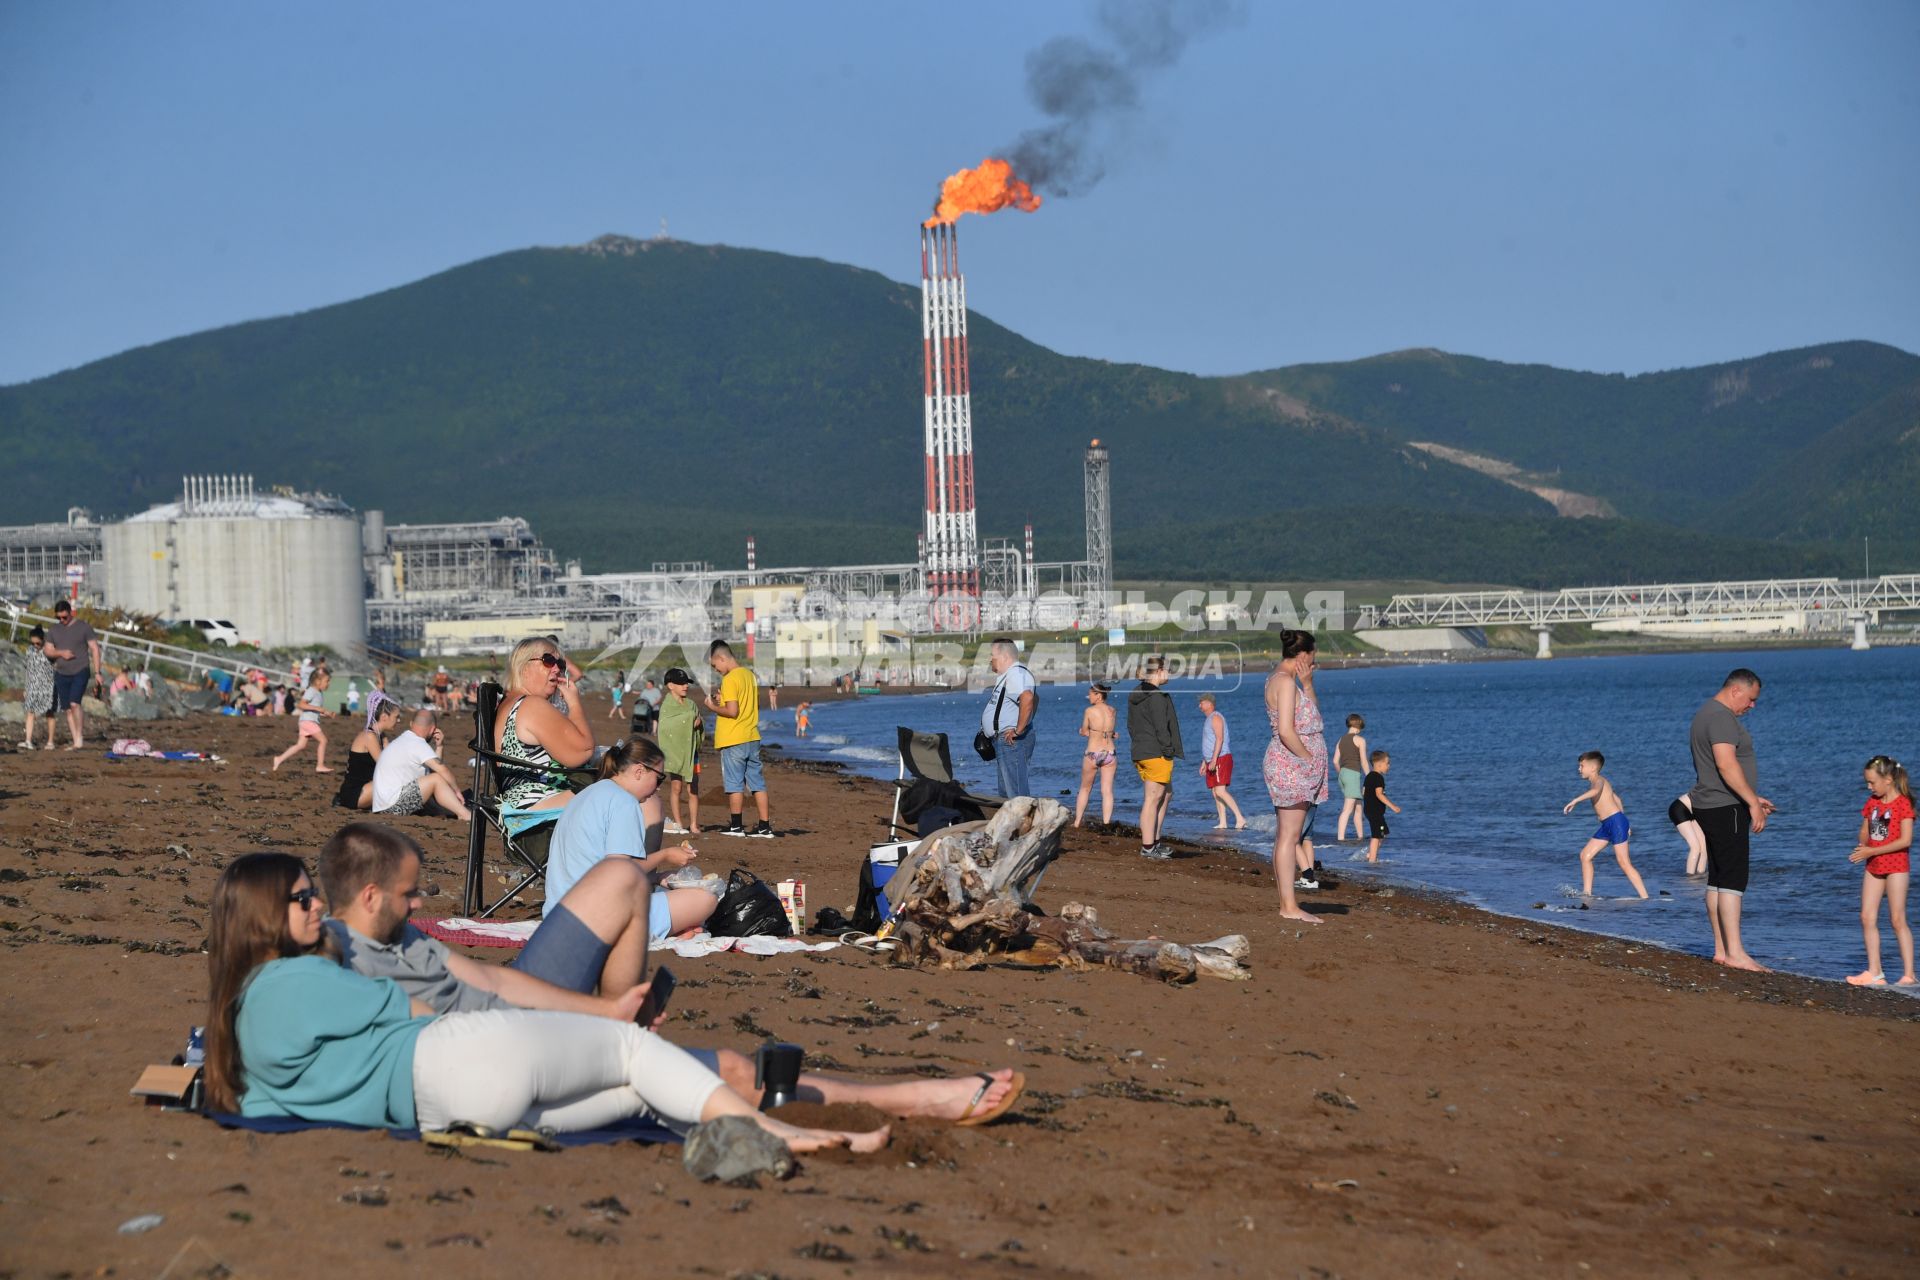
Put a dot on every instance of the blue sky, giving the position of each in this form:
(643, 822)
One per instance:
(1617, 186)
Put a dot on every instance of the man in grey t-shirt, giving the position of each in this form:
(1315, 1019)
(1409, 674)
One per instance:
(1727, 807)
(74, 648)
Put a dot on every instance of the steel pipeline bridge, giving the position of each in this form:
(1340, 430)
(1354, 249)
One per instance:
(1835, 601)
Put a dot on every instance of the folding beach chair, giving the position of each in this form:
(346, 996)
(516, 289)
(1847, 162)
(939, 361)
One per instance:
(925, 758)
(524, 836)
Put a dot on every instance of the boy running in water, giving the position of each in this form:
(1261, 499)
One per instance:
(1614, 828)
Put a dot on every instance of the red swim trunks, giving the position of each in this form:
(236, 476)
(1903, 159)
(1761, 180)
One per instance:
(1221, 775)
(1883, 827)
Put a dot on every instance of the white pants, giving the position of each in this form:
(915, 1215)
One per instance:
(508, 1067)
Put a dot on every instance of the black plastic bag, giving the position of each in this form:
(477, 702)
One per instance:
(749, 909)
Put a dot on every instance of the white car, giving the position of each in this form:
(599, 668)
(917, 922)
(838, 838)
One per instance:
(217, 632)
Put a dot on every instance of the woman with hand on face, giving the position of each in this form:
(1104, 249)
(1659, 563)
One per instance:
(530, 729)
(290, 1032)
(356, 789)
(1295, 767)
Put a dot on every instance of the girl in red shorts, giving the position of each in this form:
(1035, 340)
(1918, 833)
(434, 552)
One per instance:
(1886, 835)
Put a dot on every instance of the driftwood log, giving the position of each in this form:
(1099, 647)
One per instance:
(962, 899)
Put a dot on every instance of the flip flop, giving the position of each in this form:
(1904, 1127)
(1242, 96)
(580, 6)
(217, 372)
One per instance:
(1867, 980)
(1019, 1086)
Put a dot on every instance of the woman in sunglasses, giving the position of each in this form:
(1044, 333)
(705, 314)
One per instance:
(292, 1033)
(533, 731)
(620, 817)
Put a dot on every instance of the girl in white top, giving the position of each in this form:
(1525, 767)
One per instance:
(312, 708)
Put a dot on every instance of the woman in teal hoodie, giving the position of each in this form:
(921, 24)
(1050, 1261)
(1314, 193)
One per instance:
(292, 1033)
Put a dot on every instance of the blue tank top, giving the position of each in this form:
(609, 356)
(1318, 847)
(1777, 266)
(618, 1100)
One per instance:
(1207, 751)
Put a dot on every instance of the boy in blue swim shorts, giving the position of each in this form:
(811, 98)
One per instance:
(1614, 828)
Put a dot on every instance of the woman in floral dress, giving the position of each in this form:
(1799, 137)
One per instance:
(39, 701)
(1295, 767)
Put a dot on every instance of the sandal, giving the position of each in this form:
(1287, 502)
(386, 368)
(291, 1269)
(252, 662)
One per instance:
(1018, 1086)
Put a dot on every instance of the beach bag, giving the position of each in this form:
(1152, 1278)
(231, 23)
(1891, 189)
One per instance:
(749, 909)
(983, 741)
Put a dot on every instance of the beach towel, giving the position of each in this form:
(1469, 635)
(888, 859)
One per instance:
(479, 933)
(117, 756)
(638, 1129)
(498, 933)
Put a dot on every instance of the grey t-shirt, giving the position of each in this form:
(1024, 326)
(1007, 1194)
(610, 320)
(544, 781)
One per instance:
(418, 962)
(75, 635)
(1714, 723)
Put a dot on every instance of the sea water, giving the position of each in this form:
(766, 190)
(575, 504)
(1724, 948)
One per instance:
(1484, 756)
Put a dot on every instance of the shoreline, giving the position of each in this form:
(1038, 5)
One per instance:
(1415, 889)
(1415, 1087)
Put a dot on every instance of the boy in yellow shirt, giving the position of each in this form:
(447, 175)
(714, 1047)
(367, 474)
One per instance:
(736, 735)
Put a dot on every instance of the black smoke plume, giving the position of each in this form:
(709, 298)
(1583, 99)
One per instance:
(1083, 86)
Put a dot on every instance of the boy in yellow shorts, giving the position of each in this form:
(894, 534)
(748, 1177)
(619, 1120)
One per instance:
(1154, 728)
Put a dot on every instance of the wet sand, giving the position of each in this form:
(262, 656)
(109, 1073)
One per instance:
(1414, 1088)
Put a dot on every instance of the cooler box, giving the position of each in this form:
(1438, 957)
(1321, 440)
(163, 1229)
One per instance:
(883, 860)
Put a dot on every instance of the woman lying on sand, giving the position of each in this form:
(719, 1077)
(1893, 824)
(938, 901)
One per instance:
(291, 1033)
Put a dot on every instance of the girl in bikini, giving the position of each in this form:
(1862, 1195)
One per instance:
(1096, 726)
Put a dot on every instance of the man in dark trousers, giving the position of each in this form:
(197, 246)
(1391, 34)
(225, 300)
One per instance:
(1727, 807)
(74, 648)
(1153, 726)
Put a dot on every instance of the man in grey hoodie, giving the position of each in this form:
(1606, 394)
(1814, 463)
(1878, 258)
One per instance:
(1154, 728)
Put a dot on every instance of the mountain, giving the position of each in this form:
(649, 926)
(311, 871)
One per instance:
(1715, 448)
(658, 400)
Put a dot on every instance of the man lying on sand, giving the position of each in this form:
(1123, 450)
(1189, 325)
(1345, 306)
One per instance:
(371, 874)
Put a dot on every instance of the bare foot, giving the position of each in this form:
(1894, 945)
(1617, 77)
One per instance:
(318, 769)
(1219, 826)
(276, 764)
(1304, 917)
(801, 1141)
(1240, 826)
(1908, 981)
(1749, 964)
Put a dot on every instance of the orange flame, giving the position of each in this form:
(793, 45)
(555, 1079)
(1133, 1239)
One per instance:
(985, 189)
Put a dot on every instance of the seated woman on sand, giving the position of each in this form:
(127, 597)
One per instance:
(530, 729)
(620, 816)
(292, 1033)
(356, 789)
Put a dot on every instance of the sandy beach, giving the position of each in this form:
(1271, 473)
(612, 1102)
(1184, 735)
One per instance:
(1413, 1088)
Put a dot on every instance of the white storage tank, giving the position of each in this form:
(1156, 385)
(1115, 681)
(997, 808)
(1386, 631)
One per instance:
(285, 568)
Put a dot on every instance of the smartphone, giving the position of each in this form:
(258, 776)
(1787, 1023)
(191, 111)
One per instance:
(661, 991)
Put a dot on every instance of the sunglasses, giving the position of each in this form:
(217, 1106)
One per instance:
(551, 662)
(620, 744)
(304, 897)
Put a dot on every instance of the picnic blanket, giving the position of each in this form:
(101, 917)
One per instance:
(500, 933)
(139, 748)
(638, 1129)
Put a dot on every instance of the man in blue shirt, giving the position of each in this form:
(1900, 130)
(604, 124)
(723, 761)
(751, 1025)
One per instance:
(1008, 717)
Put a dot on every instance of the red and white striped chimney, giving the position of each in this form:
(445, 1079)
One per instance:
(950, 558)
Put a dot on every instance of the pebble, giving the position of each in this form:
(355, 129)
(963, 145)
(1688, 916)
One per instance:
(142, 1224)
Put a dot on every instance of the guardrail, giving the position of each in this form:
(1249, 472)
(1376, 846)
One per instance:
(137, 650)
